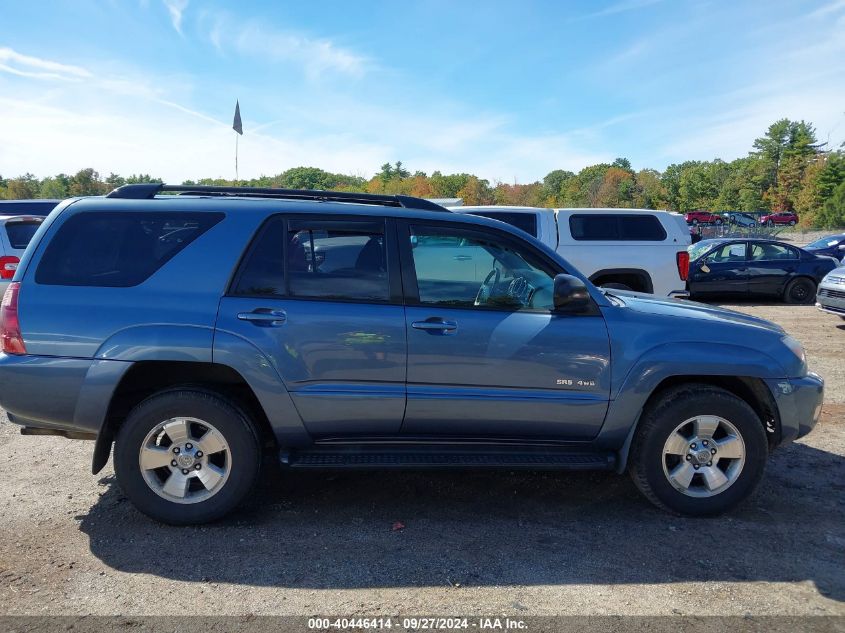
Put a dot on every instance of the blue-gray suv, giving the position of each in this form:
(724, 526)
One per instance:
(201, 330)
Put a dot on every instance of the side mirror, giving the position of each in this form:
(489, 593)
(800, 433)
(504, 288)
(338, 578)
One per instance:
(842, 247)
(571, 295)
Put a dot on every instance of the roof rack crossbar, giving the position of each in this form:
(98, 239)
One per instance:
(149, 190)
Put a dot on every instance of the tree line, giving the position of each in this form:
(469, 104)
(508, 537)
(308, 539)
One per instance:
(787, 169)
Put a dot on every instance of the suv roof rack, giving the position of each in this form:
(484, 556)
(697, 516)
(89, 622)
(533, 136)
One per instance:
(149, 190)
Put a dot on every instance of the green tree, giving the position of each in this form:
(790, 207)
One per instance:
(832, 214)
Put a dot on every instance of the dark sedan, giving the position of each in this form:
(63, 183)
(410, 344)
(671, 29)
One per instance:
(755, 267)
(832, 245)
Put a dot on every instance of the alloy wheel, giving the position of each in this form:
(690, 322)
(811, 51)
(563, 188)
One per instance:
(185, 460)
(703, 456)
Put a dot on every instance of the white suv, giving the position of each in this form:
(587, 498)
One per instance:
(15, 233)
(630, 249)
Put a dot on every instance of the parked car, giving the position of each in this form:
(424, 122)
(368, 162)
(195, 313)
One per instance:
(15, 233)
(742, 219)
(627, 249)
(39, 207)
(756, 267)
(702, 217)
(831, 294)
(832, 246)
(198, 333)
(781, 218)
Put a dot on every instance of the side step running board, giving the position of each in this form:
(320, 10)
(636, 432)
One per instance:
(421, 458)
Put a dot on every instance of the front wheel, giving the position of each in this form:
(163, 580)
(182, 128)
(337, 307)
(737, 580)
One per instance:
(792, 223)
(698, 451)
(186, 456)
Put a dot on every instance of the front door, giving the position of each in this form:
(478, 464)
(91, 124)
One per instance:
(320, 298)
(723, 271)
(487, 355)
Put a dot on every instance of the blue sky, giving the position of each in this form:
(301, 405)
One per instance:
(506, 90)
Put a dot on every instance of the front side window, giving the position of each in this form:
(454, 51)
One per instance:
(460, 268)
(118, 249)
(727, 253)
(337, 261)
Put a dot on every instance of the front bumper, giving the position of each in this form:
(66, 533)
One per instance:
(799, 402)
(830, 297)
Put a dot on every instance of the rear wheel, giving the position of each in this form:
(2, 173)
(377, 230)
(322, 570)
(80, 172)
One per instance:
(699, 451)
(801, 290)
(186, 456)
(792, 223)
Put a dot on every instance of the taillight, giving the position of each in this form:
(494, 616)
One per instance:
(10, 327)
(683, 265)
(8, 266)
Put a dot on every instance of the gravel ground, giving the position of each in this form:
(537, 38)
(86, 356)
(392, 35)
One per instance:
(473, 543)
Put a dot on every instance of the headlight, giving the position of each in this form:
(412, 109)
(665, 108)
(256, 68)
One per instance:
(796, 348)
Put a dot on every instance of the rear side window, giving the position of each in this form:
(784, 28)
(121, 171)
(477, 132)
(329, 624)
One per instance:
(615, 227)
(118, 250)
(525, 221)
(20, 233)
(337, 260)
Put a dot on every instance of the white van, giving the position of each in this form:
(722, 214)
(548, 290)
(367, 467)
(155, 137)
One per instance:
(632, 249)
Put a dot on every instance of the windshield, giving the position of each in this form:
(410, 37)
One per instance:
(697, 250)
(825, 242)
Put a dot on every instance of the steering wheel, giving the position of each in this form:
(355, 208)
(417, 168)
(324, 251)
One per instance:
(486, 287)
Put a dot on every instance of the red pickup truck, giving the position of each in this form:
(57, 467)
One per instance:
(702, 217)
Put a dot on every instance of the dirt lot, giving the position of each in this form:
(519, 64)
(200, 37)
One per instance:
(486, 543)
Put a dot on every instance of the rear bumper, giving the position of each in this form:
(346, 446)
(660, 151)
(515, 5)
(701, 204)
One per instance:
(799, 402)
(43, 392)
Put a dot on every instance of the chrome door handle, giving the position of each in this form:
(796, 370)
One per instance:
(438, 325)
(268, 318)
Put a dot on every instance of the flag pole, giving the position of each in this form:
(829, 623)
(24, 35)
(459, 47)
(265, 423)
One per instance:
(237, 125)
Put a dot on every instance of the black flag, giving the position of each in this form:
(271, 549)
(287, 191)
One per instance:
(236, 124)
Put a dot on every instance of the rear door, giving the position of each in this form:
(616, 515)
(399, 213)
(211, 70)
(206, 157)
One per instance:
(487, 355)
(723, 271)
(770, 267)
(320, 297)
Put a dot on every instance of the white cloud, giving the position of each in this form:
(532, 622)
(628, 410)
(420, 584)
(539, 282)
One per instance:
(176, 8)
(619, 7)
(34, 67)
(315, 56)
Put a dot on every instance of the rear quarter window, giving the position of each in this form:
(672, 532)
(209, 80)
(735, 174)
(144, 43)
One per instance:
(117, 249)
(20, 233)
(617, 227)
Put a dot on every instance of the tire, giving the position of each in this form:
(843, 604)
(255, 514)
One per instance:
(223, 477)
(792, 223)
(770, 223)
(800, 291)
(718, 222)
(651, 469)
(694, 222)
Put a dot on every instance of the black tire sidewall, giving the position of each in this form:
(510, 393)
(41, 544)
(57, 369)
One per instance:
(649, 461)
(232, 423)
(795, 282)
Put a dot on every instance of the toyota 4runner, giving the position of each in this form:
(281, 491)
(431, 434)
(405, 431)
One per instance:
(201, 330)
